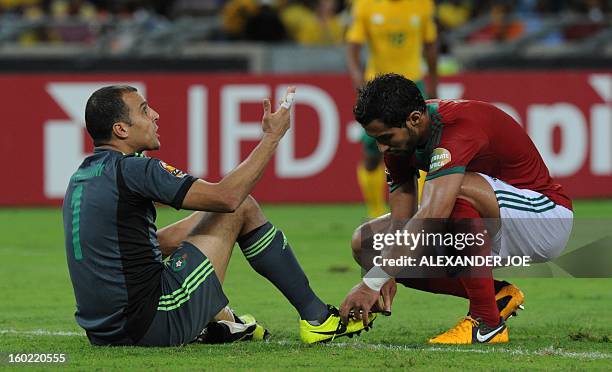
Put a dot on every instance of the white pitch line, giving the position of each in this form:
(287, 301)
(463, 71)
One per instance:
(488, 350)
(518, 351)
(40, 332)
(547, 351)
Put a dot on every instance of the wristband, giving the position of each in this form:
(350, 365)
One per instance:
(376, 278)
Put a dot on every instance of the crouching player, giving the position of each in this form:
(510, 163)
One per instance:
(125, 293)
(480, 164)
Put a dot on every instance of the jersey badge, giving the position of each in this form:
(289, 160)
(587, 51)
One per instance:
(439, 158)
(172, 170)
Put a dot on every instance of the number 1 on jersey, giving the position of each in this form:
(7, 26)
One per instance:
(75, 204)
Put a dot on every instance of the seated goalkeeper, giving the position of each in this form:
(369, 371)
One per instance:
(125, 293)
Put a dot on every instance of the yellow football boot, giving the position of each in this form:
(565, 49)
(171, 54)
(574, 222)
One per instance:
(332, 328)
(260, 333)
(472, 331)
(509, 300)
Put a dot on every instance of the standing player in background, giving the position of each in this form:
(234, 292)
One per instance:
(125, 293)
(397, 33)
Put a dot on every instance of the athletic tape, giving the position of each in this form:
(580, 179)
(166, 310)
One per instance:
(288, 101)
(376, 278)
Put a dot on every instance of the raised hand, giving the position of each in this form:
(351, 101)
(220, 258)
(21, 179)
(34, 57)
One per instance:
(277, 123)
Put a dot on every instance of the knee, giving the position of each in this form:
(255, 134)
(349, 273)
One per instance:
(356, 242)
(362, 237)
(248, 204)
(249, 208)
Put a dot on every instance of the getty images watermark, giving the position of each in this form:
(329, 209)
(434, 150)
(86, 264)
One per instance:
(475, 245)
(437, 248)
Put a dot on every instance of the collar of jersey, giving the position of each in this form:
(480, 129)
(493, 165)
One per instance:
(436, 125)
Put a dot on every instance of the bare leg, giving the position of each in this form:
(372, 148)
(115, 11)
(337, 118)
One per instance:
(215, 233)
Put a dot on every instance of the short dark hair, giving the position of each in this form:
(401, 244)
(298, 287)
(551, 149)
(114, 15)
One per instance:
(389, 98)
(104, 108)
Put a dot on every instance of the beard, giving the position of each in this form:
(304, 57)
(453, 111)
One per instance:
(411, 143)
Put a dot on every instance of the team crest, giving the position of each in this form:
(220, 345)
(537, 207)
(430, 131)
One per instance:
(172, 170)
(439, 158)
(178, 263)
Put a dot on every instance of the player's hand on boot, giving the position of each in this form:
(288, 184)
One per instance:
(359, 301)
(387, 293)
(277, 123)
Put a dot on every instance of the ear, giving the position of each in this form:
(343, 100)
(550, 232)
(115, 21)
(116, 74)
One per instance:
(121, 130)
(414, 118)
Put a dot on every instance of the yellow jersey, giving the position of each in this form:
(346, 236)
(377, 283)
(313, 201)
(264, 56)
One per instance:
(316, 33)
(395, 31)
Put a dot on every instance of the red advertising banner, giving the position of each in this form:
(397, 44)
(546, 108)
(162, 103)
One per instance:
(209, 123)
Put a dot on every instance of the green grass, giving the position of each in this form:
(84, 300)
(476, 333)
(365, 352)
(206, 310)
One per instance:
(567, 324)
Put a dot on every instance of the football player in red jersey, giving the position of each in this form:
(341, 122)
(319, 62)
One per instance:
(480, 164)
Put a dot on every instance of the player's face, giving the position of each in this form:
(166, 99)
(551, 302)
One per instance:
(393, 140)
(143, 131)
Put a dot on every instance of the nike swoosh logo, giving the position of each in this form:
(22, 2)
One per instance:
(341, 330)
(486, 337)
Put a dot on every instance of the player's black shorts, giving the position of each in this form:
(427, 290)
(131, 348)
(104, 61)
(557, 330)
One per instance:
(191, 297)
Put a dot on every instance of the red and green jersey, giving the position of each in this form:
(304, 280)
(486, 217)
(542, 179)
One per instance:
(474, 136)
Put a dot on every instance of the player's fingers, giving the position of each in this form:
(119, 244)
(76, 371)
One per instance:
(266, 107)
(387, 300)
(344, 312)
(365, 316)
(388, 297)
(288, 99)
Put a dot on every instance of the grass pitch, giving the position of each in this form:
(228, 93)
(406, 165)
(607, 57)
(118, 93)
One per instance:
(567, 323)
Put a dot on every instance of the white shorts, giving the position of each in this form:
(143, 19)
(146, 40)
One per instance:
(531, 224)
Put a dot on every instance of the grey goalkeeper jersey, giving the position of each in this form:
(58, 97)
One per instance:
(111, 242)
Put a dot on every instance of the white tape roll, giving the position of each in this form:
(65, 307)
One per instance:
(288, 101)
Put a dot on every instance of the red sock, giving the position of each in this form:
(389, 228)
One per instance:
(482, 300)
(449, 286)
(480, 289)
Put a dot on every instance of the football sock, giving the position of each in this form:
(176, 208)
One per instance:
(372, 185)
(479, 282)
(447, 286)
(482, 300)
(268, 252)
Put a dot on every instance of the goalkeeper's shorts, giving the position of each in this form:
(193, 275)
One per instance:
(191, 297)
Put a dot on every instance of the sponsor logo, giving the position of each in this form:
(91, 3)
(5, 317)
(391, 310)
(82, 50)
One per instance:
(486, 337)
(172, 170)
(439, 158)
